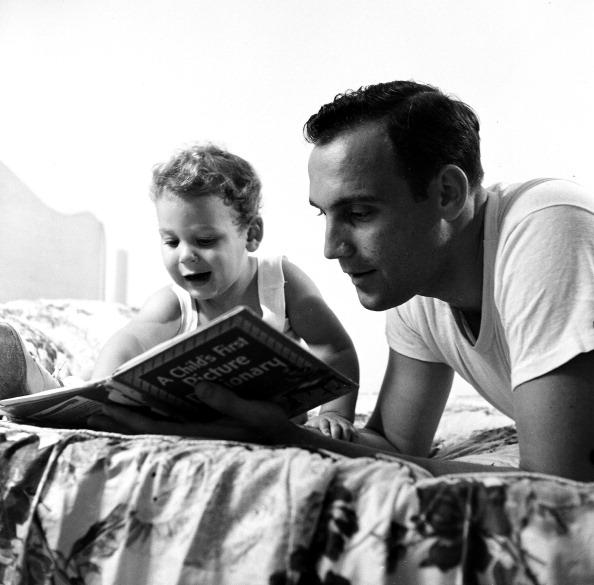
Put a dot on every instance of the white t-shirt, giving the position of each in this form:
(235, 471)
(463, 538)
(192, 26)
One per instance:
(538, 294)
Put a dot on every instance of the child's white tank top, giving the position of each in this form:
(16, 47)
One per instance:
(271, 294)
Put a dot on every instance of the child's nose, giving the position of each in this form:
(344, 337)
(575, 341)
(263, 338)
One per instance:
(188, 254)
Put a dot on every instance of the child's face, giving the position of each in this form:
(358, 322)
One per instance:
(204, 251)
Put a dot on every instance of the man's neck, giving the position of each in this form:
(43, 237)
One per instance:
(473, 321)
(463, 287)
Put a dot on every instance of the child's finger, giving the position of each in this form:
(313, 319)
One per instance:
(347, 431)
(320, 424)
(342, 431)
(334, 430)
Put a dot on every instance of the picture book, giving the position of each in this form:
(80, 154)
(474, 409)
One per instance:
(237, 350)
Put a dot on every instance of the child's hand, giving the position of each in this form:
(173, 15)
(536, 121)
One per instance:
(333, 425)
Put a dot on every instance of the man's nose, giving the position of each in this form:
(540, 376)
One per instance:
(336, 243)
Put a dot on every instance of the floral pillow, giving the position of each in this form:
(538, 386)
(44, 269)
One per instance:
(66, 335)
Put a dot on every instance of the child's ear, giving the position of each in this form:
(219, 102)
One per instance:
(255, 234)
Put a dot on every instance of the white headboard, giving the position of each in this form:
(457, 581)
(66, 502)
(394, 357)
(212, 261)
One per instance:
(45, 253)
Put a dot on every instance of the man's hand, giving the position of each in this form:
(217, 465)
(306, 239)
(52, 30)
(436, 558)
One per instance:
(256, 422)
(244, 420)
(333, 425)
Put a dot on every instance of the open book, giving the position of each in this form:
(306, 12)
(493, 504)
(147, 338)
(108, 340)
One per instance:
(238, 350)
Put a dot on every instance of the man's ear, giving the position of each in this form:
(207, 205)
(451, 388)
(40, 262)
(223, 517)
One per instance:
(449, 191)
(255, 234)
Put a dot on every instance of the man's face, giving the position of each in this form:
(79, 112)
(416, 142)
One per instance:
(385, 240)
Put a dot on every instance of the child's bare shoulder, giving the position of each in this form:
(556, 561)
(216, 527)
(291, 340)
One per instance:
(158, 320)
(161, 307)
(297, 282)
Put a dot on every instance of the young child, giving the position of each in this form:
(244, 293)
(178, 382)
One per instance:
(207, 202)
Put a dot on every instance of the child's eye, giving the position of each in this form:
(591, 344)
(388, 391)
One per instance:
(171, 243)
(206, 242)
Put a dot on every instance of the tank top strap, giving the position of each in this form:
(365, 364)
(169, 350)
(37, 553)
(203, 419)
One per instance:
(271, 290)
(189, 312)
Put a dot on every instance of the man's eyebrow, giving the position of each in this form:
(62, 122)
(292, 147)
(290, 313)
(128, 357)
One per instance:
(351, 200)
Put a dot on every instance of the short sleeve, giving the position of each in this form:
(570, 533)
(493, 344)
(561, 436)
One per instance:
(544, 289)
(403, 337)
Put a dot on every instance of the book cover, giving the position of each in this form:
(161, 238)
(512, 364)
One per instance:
(238, 350)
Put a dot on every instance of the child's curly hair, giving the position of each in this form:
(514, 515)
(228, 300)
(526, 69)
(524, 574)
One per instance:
(206, 169)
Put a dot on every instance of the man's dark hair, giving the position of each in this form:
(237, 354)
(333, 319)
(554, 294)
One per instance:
(427, 128)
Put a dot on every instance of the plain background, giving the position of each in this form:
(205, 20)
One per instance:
(94, 92)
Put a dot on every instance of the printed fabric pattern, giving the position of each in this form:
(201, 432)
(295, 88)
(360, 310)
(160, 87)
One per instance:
(66, 334)
(84, 507)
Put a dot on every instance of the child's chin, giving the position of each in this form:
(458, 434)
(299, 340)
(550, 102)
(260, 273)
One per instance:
(200, 292)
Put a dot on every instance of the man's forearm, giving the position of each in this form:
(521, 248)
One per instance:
(376, 441)
(373, 444)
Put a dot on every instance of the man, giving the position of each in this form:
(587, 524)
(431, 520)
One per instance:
(496, 284)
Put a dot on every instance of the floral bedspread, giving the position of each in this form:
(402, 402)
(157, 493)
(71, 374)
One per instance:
(86, 507)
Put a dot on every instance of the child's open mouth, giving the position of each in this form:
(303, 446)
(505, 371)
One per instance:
(200, 278)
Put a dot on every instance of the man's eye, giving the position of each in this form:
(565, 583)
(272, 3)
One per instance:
(358, 214)
(319, 213)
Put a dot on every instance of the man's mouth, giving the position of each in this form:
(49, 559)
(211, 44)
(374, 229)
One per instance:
(356, 273)
(358, 276)
(198, 278)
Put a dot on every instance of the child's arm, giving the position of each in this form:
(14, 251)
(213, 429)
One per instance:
(313, 320)
(157, 321)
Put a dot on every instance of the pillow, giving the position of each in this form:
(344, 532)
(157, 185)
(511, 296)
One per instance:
(66, 334)
(44, 349)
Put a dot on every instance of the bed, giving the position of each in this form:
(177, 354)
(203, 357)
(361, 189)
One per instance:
(79, 506)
